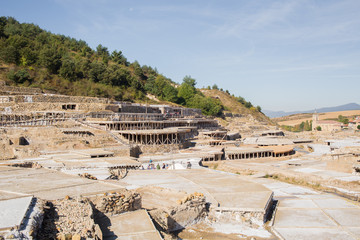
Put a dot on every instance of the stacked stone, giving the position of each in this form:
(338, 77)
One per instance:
(118, 202)
(190, 209)
(70, 219)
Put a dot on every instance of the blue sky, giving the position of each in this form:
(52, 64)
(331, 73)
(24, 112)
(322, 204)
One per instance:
(281, 55)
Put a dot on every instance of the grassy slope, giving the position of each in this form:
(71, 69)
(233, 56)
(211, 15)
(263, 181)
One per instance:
(232, 105)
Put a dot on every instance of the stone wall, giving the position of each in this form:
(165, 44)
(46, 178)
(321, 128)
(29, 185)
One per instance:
(5, 99)
(118, 202)
(49, 98)
(164, 148)
(138, 109)
(47, 106)
(12, 89)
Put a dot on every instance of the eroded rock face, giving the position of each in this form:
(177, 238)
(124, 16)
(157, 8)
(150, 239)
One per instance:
(189, 211)
(118, 202)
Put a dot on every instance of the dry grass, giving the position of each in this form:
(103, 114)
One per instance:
(221, 166)
(298, 118)
(231, 104)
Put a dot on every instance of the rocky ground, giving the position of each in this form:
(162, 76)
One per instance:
(69, 219)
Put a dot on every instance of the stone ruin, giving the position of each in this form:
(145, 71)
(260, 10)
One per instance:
(191, 209)
(69, 122)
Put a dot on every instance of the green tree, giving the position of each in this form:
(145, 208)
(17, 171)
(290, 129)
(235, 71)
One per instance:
(97, 70)
(138, 71)
(318, 128)
(358, 127)
(50, 58)
(187, 89)
(150, 84)
(170, 93)
(82, 67)
(9, 54)
(3, 22)
(28, 56)
(136, 84)
(118, 76)
(190, 81)
(241, 100)
(67, 69)
(258, 108)
(343, 119)
(287, 128)
(208, 106)
(215, 87)
(212, 107)
(20, 76)
(248, 104)
(301, 126)
(307, 126)
(102, 51)
(119, 58)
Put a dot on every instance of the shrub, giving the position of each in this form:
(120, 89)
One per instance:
(20, 76)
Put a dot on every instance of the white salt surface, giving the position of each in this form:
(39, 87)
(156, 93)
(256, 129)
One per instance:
(307, 170)
(297, 190)
(345, 190)
(231, 228)
(319, 149)
(13, 211)
(349, 179)
(100, 174)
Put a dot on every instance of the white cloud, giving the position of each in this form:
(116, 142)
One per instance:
(293, 22)
(241, 23)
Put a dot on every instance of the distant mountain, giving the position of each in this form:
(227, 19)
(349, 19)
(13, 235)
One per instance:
(275, 114)
(346, 107)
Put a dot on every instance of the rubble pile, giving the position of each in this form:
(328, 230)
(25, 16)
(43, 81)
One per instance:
(190, 197)
(69, 219)
(27, 165)
(190, 210)
(88, 176)
(118, 202)
(118, 173)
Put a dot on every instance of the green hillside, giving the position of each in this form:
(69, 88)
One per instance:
(236, 105)
(33, 57)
